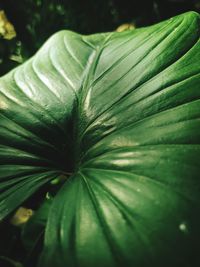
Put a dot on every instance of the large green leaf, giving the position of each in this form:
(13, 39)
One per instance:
(36, 102)
(122, 112)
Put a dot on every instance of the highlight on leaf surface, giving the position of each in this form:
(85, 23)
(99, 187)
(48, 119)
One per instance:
(121, 112)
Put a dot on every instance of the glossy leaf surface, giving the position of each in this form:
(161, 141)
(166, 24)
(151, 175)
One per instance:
(122, 112)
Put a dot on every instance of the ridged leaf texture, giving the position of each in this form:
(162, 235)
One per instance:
(121, 111)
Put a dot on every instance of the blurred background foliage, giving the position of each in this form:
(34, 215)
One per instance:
(26, 24)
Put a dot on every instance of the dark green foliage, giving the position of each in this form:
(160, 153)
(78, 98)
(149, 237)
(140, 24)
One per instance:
(109, 124)
(36, 20)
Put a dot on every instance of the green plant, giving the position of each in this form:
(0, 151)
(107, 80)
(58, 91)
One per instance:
(115, 118)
